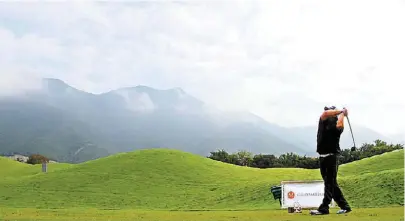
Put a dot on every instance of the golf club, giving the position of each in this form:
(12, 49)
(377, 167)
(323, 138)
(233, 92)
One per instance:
(354, 143)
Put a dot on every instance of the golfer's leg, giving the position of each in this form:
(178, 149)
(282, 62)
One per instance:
(337, 192)
(339, 198)
(328, 180)
(323, 167)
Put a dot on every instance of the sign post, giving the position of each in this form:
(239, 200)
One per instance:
(305, 194)
(44, 167)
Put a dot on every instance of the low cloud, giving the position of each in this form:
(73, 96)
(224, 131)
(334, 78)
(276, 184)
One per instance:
(281, 60)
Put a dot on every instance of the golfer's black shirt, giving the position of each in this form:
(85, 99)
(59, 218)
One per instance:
(328, 136)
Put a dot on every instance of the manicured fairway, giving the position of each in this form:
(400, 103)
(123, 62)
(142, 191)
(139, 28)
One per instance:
(371, 214)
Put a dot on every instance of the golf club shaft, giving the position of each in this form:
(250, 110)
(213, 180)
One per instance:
(348, 121)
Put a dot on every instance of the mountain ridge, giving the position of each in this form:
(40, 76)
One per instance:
(138, 117)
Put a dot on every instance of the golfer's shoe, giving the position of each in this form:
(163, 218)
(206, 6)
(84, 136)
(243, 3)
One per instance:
(317, 212)
(343, 211)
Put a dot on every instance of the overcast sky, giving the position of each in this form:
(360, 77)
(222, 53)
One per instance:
(283, 60)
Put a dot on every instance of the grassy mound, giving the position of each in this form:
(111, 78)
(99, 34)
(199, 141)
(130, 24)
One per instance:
(11, 169)
(170, 179)
(386, 161)
(375, 189)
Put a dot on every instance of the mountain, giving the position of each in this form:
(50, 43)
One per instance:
(305, 137)
(28, 127)
(70, 125)
(398, 138)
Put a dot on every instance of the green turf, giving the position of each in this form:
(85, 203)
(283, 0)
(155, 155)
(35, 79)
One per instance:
(374, 214)
(157, 179)
(142, 178)
(14, 170)
(387, 161)
(10, 168)
(375, 189)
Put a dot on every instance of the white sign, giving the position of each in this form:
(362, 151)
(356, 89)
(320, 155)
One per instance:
(308, 194)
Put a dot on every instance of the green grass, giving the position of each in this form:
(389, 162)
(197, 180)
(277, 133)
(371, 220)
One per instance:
(372, 214)
(142, 178)
(12, 168)
(387, 161)
(163, 179)
(375, 189)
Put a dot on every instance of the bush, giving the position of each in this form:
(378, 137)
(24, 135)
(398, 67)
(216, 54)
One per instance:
(37, 159)
(289, 160)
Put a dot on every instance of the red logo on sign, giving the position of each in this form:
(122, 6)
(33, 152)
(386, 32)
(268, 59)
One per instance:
(291, 195)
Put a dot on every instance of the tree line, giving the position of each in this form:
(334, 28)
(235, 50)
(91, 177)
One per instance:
(292, 160)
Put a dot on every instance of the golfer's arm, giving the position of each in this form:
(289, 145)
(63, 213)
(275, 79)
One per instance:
(330, 113)
(340, 121)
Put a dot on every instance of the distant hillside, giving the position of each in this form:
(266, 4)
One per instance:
(141, 179)
(305, 137)
(70, 125)
(398, 138)
(27, 127)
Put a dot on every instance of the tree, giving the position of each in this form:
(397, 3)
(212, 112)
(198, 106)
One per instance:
(220, 155)
(233, 159)
(308, 162)
(264, 161)
(379, 143)
(289, 159)
(37, 159)
(244, 157)
(366, 147)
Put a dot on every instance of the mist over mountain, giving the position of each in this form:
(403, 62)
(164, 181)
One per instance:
(398, 138)
(70, 125)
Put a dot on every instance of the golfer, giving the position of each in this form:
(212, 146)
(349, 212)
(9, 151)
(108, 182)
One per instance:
(329, 130)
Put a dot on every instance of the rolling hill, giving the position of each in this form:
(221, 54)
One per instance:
(70, 125)
(386, 161)
(175, 180)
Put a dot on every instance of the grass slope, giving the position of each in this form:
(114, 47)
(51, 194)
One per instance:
(13, 169)
(174, 180)
(375, 189)
(386, 161)
(10, 168)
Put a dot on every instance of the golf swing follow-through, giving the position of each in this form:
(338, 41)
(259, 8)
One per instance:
(350, 126)
(331, 126)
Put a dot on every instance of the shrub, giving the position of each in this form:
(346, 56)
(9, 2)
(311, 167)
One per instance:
(37, 159)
